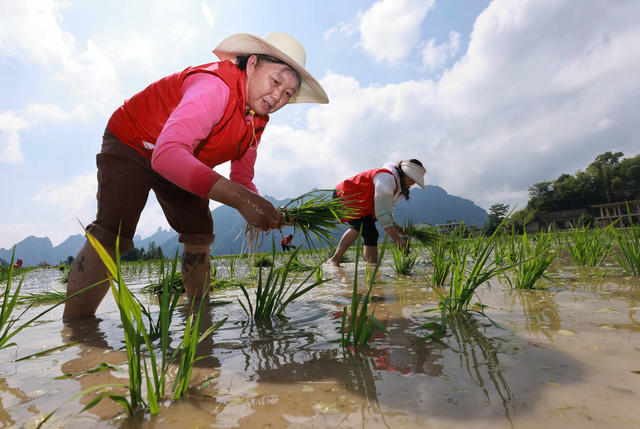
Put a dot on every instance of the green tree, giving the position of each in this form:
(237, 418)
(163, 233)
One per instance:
(154, 252)
(604, 170)
(607, 179)
(132, 255)
(497, 213)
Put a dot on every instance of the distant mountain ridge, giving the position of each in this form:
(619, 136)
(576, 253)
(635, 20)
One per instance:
(432, 205)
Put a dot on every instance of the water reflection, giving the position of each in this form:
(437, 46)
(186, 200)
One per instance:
(17, 396)
(478, 355)
(205, 348)
(540, 310)
(93, 350)
(604, 286)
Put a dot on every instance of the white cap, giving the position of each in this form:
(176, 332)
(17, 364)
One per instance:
(415, 171)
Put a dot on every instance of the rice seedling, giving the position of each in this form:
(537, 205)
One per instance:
(530, 260)
(470, 268)
(441, 251)
(316, 215)
(188, 358)
(589, 247)
(425, 235)
(47, 351)
(317, 273)
(137, 337)
(43, 297)
(176, 285)
(628, 240)
(8, 271)
(169, 289)
(263, 261)
(272, 293)
(219, 284)
(357, 328)
(403, 262)
(296, 265)
(232, 267)
(468, 272)
(9, 326)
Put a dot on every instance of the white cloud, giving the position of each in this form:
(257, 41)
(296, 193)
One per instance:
(346, 28)
(12, 233)
(390, 29)
(36, 112)
(10, 125)
(31, 31)
(434, 57)
(75, 198)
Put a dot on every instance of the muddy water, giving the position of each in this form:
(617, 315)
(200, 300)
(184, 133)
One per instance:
(564, 356)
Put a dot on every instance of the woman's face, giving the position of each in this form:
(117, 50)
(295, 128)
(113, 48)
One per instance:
(408, 181)
(269, 85)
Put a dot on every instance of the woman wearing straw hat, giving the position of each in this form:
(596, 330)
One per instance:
(169, 136)
(372, 194)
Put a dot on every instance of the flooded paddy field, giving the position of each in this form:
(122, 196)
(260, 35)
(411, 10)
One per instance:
(564, 355)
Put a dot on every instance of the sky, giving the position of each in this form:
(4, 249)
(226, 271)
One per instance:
(492, 96)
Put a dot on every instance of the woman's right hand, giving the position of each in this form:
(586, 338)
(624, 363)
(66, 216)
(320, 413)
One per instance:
(256, 210)
(259, 212)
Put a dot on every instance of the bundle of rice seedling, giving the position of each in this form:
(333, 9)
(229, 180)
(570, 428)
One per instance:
(316, 214)
(423, 234)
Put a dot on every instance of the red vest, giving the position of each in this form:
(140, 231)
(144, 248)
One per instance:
(141, 118)
(358, 192)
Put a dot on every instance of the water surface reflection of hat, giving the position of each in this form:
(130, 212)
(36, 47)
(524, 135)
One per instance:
(283, 47)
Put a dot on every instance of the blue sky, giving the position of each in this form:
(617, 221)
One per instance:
(492, 96)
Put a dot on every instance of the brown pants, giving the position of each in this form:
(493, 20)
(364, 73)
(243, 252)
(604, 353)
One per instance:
(125, 178)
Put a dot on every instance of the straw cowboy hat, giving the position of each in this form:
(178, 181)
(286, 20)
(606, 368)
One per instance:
(415, 171)
(280, 46)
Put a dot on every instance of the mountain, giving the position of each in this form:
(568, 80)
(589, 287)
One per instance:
(32, 250)
(432, 205)
(159, 237)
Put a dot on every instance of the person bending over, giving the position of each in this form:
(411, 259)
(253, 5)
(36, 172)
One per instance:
(169, 137)
(373, 194)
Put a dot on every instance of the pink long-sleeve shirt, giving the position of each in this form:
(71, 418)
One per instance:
(204, 99)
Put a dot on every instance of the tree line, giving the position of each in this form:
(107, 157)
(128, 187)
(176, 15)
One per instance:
(153, 252)
(609, 178)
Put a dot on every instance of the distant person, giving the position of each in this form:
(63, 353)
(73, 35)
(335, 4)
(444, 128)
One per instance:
(18, 263)
(169, 136)
(285, 243)
(373, 194)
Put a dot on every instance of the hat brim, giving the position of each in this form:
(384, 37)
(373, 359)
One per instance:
(310, 90)
(419, 180)
(415, 172)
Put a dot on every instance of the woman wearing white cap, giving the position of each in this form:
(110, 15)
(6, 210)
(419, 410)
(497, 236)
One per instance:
(372, 194)
(170, 136)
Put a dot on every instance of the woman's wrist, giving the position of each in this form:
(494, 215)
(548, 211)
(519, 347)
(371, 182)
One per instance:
(227, 192)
